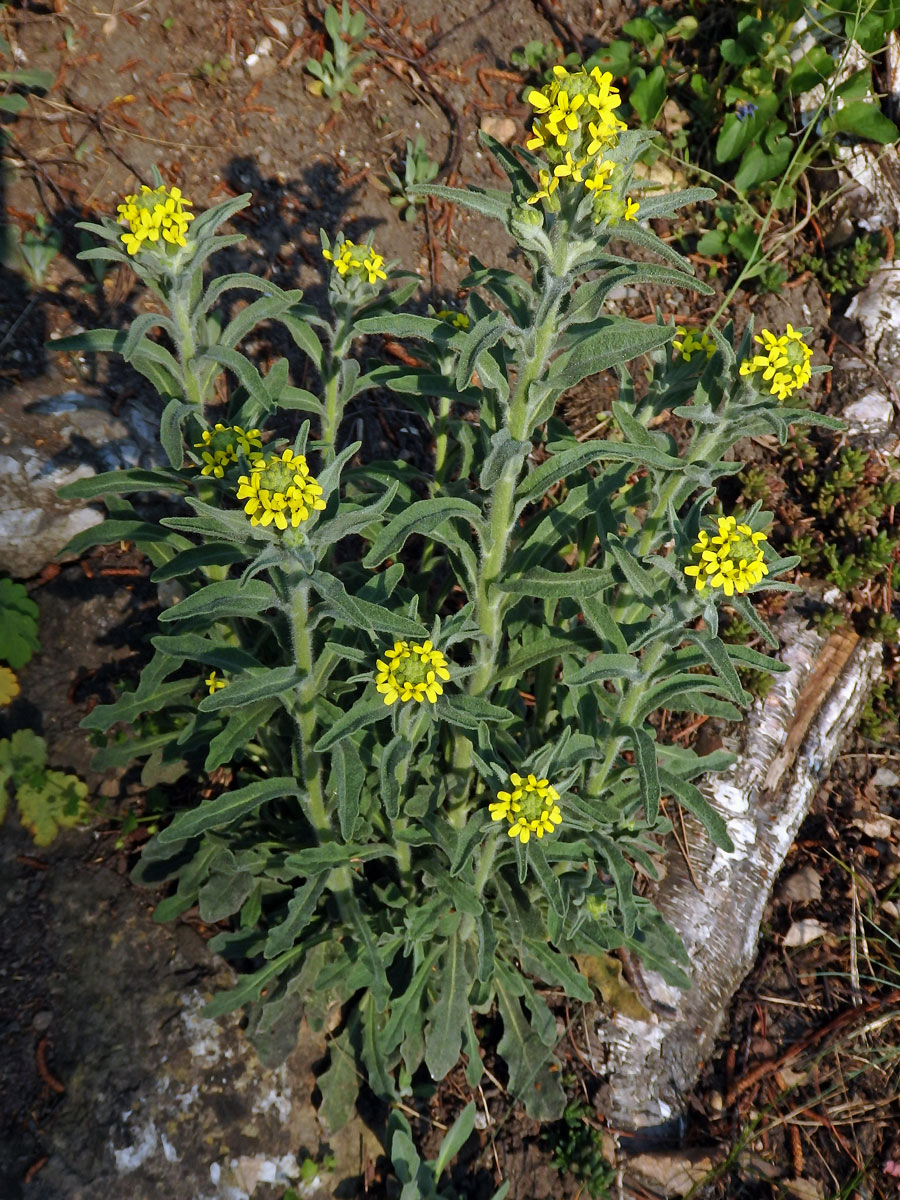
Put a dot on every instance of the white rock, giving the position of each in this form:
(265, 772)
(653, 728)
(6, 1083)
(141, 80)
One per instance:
(871, 414)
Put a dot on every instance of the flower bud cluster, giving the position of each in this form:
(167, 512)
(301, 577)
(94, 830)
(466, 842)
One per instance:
(278, 490)
(153, 214)
(356, 261)
(785, 366)
(733, 560)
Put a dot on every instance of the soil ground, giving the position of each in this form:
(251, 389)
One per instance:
(177, 87)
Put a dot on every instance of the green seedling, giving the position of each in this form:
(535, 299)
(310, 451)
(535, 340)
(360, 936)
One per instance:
(333, 74)
(37, 248)
(418, 168)
(848, 268)
(215, 71)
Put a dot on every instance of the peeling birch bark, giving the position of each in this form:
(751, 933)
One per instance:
(786, 747)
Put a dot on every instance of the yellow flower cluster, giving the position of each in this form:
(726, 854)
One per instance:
(571, 107)
(530, 807)
(574, 124)
(360, 260)
(152, 214)
(689, 343)
(785, 365)
(411, 672)
(219, 447)
(732, 560)
(279, 489)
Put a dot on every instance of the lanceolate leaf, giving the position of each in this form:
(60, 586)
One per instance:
(695, 802)
(359, 716)
(551, 645)
(238, 731)
(469, 711)
(258, 683)
(556, 585)
(227, 808)
(228, 598)
(531, 1077)
(489, 202)
(618, 341)
(348, 774)
(299, 911)
(648, 773)
(420, 518)
(443, 1036)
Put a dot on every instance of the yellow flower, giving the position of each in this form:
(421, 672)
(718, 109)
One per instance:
(599, 181)
(569, 169)
(154, 213)
(785, 365)
(359, 260)
(691, 343)
(280, 489)
(604, 132)
(548, 185)
(219, 447)
(411, 672)
(631, 209)
(530, 807)
(733, 560)
(214, 684)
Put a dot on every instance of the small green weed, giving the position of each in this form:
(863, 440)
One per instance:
(539, 58)
(309, 1169)
(848, 268)
(578, 1150)
(422, 1180)
(333, 75)
(417, 168)
(828, 620)
(215, 71)
(754, 103)
(855, 500)
(37, 248)
(882, 711)
(48, 801)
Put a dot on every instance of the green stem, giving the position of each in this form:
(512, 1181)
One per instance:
(501, 520)
(487, 861)
(334, 410)
(627, 709)
(441, 439)
(186, 344)
(305, 714)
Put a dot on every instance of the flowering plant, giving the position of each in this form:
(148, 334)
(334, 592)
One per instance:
(438, 691)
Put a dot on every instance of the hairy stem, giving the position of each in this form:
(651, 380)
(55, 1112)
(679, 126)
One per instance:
(185, 342)
(630, 701)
